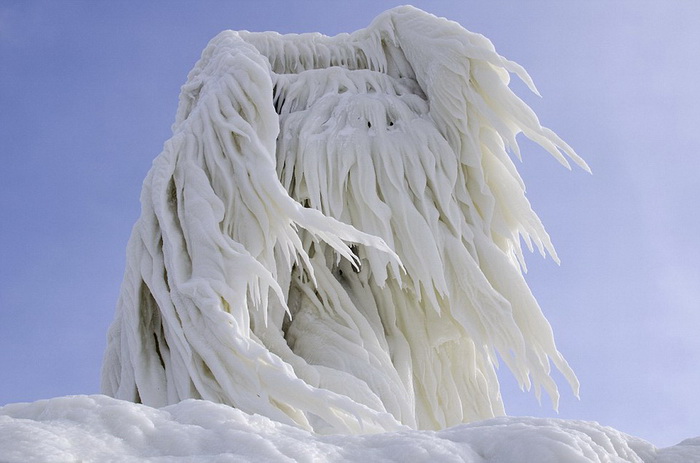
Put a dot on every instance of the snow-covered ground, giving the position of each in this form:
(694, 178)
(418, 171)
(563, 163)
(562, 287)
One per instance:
(102, 429)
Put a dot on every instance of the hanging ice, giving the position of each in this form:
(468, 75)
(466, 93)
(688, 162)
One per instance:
(331, 238)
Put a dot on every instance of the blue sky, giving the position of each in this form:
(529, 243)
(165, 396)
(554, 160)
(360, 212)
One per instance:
(88, 91)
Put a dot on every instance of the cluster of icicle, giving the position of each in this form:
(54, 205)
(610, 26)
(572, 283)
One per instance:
(332, 236)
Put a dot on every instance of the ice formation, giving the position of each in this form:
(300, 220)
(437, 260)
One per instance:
(99, 428)
(332, 236)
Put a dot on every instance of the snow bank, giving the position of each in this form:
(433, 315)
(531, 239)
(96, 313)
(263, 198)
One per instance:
(103, 429)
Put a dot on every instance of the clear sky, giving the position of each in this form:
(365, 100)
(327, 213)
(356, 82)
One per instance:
(88, 91)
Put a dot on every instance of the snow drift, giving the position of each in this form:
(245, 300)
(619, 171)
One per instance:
(100, 429)
(332, 236)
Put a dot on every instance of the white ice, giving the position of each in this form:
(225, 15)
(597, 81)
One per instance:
(332, 236)
(329, 256)
(103, 429)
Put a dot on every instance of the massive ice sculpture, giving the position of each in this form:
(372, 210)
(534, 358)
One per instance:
(331, 238)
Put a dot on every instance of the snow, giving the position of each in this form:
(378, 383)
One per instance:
(100, 428)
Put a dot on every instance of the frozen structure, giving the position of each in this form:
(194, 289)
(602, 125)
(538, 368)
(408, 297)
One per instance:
(332, 236)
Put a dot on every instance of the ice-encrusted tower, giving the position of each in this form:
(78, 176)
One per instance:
(332, 236)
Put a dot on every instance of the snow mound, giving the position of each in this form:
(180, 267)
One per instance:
(100, 428)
